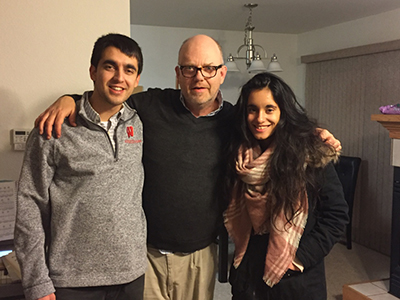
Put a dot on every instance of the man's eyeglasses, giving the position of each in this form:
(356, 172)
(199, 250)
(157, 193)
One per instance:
(206, 71)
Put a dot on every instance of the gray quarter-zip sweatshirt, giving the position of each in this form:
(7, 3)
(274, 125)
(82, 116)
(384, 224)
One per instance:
(80, 220)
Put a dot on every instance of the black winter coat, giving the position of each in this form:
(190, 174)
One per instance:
(325, 226)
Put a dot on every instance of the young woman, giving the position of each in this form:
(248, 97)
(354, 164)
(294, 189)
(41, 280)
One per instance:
(286, 205)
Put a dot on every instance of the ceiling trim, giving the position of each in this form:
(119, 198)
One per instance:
(351, 52)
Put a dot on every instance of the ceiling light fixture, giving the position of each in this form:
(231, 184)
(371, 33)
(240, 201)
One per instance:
(253, 58)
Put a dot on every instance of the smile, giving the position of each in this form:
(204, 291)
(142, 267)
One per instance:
(262, 127)
(117, 88)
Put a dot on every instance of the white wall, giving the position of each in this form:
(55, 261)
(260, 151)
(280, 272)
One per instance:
(160, 46)
(375, 29)
(45, 52)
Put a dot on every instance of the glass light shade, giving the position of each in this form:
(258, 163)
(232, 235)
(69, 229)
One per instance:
(231, 65)
(256, 66)
(274, 65)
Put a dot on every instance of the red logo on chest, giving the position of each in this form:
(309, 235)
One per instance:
(129, 131)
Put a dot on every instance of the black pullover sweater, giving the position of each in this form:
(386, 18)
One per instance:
(184, 159)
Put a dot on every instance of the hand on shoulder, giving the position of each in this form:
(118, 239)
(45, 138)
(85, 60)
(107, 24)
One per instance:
(55, 114)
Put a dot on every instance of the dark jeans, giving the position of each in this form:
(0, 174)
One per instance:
(247, 282)
(129, 291)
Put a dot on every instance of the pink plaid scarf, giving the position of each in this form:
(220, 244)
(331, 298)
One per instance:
(248, 211)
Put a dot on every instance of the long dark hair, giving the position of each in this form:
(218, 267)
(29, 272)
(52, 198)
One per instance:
(296, 143)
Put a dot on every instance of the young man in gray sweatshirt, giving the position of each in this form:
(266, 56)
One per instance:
(80, 230)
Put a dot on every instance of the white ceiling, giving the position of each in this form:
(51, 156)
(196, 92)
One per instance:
(278, 16)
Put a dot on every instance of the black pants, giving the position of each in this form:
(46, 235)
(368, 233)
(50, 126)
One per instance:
(128, 291)
(247, 282)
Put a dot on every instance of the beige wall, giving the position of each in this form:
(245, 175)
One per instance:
(44, 52)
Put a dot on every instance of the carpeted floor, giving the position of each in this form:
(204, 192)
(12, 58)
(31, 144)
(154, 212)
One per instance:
(343, 266)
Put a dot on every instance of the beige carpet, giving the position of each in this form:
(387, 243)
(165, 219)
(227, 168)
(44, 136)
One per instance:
(359, 264)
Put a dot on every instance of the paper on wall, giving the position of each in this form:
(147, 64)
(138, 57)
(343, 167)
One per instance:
(7, 209)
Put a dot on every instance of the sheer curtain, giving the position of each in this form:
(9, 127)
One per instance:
(343, 89)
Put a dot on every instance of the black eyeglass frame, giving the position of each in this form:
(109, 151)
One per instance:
(216, 68)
